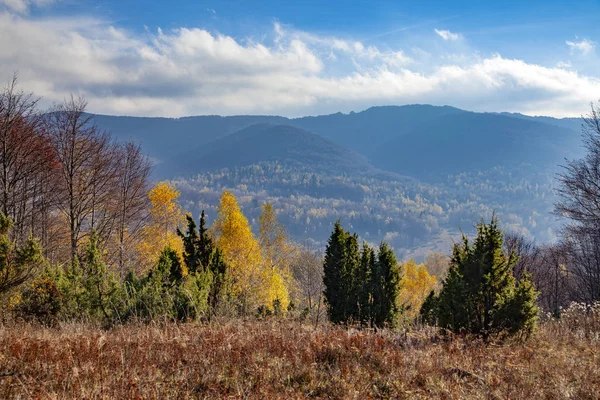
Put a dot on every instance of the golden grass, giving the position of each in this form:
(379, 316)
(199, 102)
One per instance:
(287, 360)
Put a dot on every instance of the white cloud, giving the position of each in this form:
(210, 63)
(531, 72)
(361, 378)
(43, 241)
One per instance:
(23, 6)
(584, 46)
(564, 64)
(447, 35)
(192, 71)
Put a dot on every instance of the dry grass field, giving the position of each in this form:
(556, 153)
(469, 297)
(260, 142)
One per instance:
(285, 359)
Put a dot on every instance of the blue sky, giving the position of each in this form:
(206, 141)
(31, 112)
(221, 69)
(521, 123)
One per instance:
(309, 57)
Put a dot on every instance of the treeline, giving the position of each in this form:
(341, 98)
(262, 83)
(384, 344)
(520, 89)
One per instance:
(62, 178)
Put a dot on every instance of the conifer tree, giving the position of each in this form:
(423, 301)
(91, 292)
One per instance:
(365, 284)
(480, 294)
(190, 239)
(386, 287)
(198, 246)
(17, 264)
(335, 256)
(359, 285)
(351, 285)
(100, 289)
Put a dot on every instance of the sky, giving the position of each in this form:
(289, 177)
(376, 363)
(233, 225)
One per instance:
(191, 57)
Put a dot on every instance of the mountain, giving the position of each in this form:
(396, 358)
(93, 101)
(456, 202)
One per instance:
(163, 138)
(269, 143)
(364, 131)
(413, 176)
(448, 138)
(467, 141)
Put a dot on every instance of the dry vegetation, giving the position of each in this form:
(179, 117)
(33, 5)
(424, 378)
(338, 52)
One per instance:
(285, 359)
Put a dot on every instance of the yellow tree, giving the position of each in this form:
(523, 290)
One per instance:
(166, 216)
(233, 236)
(416, 285)
(278, 254)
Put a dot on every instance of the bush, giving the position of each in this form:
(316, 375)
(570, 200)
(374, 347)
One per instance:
(41, 301)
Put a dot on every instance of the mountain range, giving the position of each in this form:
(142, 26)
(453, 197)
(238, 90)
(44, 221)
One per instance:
(440, 168)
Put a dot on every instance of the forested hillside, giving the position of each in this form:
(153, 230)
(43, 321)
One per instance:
(413, 175)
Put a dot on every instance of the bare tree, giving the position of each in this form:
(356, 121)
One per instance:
(553, 278)
(579, 190)
(27, 170)
(133, 172)
(85, 156)
(583, 251)
(579, 201)
(307, 271)
(526, 250)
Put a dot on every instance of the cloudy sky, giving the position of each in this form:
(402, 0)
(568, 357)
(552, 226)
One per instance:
(133, 57)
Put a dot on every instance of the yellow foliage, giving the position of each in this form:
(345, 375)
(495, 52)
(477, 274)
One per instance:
(278, 254)
(417, 283)
(277, 290)
(166, 216)
(233, 235)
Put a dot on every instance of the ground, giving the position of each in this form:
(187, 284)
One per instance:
(286, 359)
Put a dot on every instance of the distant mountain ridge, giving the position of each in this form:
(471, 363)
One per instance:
(424, 141)
(408, 175)
(268, 143)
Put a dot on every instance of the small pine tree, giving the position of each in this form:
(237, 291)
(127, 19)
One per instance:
(17, 263)
(191, 257)
(101, 288)
(480, 294)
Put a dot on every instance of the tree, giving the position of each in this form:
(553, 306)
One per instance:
(333, 274)
(387, 286)
(100, 286)
(360, 286)
(480, 294)
(437, 265)
(365, 280)
(166, 216)
(579, 188)
(87, 170)
(579, 191)
(133, 171)
(416, 284)
(527, 252)
(17, 263)
(27, 166)
(241, 251)
(307, 272)
(278, 253)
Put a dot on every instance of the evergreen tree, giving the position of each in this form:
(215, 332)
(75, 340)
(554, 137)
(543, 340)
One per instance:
(205, 264)
(218, 288)
(169, 268)
(96, 289)
(359, 285)
(190, 239)
(480, 294)
(351, 285)
(17, 264)
(364, 283)
(386, 287)
(428, 311)
(198, 246)
(333, 266)
(206, 247)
